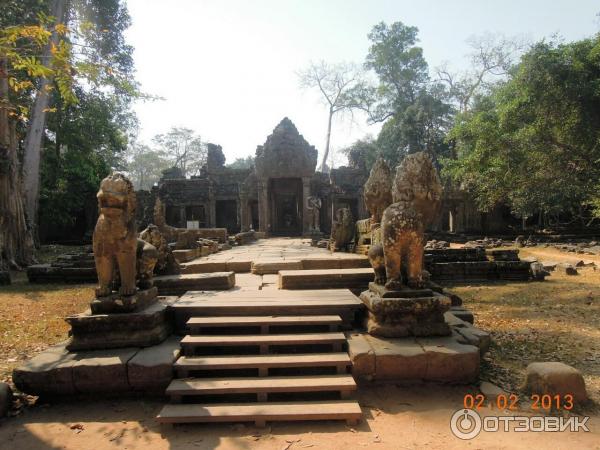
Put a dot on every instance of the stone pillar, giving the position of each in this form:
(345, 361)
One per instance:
(182, 217)
(305, 211)
(243, 213)
(263, 206)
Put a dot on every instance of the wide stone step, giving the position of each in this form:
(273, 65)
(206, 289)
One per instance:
(195, 324)
(262, 363)
(180, 284)
(237, 302)
(260, 413)
(326, 279)
(263, 341)
(344, 384)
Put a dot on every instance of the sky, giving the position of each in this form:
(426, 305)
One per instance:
(228, 68)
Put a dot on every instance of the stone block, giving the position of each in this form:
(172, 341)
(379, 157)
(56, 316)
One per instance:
(320, 263)
(354, 263)
(102, 371)
(204, 267)
(463, 314)
(474, 336)
(264, 267)
(362, 356)
(180, 284)
(151, 369)
(450, 361)
(48, 373)
(239, 266)
(117, 303)
(325, 279)
(567, 269)
(555, 378)
(399, 317)
(398, 359)
(143, 328)
(184, 255)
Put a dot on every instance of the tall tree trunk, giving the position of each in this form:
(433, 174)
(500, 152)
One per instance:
(327, 139)
(35, 130)
(16, 243)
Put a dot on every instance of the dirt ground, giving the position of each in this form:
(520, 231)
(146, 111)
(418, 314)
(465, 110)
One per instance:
(394, 418)
(558, 319)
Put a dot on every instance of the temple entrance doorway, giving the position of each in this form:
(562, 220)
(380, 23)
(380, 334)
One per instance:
(253, 207)
(226, 215)
(286, 206)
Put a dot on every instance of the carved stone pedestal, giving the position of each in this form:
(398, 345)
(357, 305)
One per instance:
(410, 312)
(116, 303)
(144, 327)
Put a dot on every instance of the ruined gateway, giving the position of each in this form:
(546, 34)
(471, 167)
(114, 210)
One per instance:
(274, 196)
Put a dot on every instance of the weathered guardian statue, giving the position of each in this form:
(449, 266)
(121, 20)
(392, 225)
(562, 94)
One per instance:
(416, 193)
(119, 255)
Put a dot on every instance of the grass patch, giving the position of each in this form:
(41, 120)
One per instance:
(32, 318)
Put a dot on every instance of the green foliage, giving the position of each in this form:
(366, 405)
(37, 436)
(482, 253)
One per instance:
(242, 163)
(91, 85)
(416, 112)
(86, 140)
(362, 153)
(535, 142)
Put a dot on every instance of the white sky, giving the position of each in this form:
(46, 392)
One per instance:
(227, 68)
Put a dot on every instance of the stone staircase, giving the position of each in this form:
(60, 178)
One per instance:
(262, 369)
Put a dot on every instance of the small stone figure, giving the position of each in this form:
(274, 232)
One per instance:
(314, 205)
(116, 246)
(166, 263)
(342, 230)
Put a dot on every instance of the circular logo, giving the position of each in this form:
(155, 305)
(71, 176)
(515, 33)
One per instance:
(465, 424)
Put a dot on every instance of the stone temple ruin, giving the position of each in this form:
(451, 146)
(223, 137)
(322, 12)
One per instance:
(271, 323)
(281, 195)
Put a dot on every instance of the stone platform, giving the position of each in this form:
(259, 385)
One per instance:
(451, 359)
(180, 284)
(473, 264)
(56, 372)
(68, 268)
(326, 279)
(148, 326)
(271, 255)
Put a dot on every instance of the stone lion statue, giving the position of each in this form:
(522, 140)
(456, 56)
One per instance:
(342, 230)
(166, 263)
(416, 193)
(378, 190)
(119, 255)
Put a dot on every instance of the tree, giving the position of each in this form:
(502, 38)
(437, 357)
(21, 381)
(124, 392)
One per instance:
(19, 49)
(362, 153)
(145, 165)
(491, 58)
(242, 163)
(534, 142)
(183, 148)
(35, 128)
(415, 111)
(85, 43)
(335, 82)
